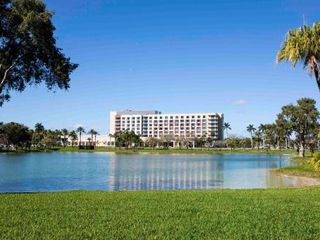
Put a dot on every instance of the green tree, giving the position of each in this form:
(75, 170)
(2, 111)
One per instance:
(17, 135)
(92, 133)
(303, 119)
(28, 51)
(284, 129)
(80, 130)
(270, 135)
(251, 129)
(152, 142)
(302, 45)
(73, 137)
(38, 134)
(95, 133)
(65, 134)
(167, 140)
(262, 130)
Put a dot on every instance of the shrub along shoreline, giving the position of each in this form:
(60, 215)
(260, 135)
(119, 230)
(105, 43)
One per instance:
(305, 167)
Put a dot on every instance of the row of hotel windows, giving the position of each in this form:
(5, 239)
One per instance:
(167, 121)
(167, 117)
(166, 131)
(160, 127)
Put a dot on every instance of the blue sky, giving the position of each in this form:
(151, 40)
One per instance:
(172, 56)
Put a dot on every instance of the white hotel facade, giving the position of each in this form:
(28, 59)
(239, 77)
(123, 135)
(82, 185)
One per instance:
(155, 124)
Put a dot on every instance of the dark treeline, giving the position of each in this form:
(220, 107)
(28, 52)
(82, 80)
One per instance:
(15, 136)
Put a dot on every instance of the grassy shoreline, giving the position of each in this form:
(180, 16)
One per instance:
(160, 151)
(302, 169)
(197, 214)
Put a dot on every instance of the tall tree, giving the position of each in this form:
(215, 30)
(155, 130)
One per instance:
(28, 51)
(95, 137)
(262, 130)
(251, 129)
(38, 134)
(65, 134)
(226, 127)
(80, 130)
(91, 132)
(302, 45)
(303, 119)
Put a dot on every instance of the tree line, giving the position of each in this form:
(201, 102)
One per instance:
(15, 135)
(296, 127)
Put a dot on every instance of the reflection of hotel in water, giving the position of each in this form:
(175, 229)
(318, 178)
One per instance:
(164, 174)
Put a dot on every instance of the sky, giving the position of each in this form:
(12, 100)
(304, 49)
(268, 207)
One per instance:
(172, 56)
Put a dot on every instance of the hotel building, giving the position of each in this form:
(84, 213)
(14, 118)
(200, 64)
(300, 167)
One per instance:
(155, 124)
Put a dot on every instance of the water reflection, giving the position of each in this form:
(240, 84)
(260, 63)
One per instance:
(107, 171)
(143, 172)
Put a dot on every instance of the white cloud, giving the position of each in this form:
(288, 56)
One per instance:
(240, 102)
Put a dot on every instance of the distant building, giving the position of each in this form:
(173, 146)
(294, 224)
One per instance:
(99, 141)
(155, 124)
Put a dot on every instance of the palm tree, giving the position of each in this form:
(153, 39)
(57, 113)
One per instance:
(65, 134)
(80, 130)
(262, 130)
(95, 137)
(226, 127)
(251, 130)
(91, 132)
(302, 45)
(73, 136)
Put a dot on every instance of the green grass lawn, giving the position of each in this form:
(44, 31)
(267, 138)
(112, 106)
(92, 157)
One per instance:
(159, 150)
(221, 214)
(179, 151)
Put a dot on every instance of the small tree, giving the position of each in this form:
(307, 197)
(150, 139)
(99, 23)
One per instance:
(152, 142)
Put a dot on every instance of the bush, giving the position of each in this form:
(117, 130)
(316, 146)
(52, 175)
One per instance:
(316, 156)
(315, 161)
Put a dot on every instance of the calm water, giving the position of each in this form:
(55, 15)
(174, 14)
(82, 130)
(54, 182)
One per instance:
(107, 171)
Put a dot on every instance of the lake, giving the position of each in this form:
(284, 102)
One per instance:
(34, 172)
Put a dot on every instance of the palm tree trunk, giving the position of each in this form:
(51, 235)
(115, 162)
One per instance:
(317, 75)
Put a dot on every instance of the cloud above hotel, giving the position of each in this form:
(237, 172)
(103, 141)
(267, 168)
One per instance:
(240, 102)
